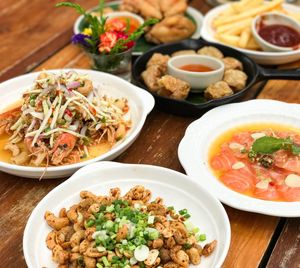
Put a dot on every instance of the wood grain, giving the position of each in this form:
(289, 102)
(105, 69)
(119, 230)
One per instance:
(31, 31)
(286, 253)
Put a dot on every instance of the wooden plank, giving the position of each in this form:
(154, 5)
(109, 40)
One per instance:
(286, 253)
(31, 31)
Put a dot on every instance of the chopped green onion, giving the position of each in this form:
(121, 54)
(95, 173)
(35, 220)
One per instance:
(90, 223)
(183, 211)
(105, 261)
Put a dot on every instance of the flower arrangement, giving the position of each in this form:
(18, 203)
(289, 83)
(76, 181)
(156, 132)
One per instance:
(101, 38)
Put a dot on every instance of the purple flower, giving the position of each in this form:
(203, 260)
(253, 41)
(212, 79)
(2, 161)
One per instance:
(80, 39)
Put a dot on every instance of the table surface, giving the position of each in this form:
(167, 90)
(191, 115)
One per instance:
(34, 36)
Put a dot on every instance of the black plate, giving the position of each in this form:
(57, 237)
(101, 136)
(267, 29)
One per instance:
(195, 103)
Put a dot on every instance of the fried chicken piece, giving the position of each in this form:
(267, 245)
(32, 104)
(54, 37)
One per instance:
(236, 79)
(173, 87)
(232, 63)
(218, 90)
(171, 29)
(211, 51)
(173, 7)
(184, 52)
(160, 60)
(147, 8)
(151, 76)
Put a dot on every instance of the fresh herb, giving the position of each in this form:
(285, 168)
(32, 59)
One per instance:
(97, 24)
(269, 145)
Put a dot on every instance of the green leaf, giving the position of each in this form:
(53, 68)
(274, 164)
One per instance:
(295, 149)
(78, 8)
(269, 145)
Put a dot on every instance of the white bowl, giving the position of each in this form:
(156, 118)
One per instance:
(140, 103)
(193, 150)
(261, 57)
(270, 19)
(175, 188)
(198, 80)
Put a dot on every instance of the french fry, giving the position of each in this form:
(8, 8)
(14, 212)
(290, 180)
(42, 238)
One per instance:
(239, 24)
(246, 5)
(249, 13)
(232, 40)
(252, 44)
(245, 36)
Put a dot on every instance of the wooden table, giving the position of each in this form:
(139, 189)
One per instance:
(34, 35)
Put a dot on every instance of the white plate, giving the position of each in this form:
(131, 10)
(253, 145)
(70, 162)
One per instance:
(261, 57)
(140, 104)
(192, 12)
(194, 148)
(175, 188)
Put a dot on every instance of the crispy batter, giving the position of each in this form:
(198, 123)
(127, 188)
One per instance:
(173, 87)
(160, 60)
(173, 7)
(218, 90)
(151, 76)
(147, 8)
(184, 52)
(211, 51)
(170, 29)
(235, 79)
(232, 63)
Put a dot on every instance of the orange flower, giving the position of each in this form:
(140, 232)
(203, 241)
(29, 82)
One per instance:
(107, 41)
(115, 24)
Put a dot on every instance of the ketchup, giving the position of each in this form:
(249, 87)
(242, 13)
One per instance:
(280, 35)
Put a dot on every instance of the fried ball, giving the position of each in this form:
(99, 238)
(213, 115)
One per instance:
(232, 63)
(211, 51)
(160, 60)
(173, 87)
(235, 79)
(184, 52)
(151, 76)
(218, 90)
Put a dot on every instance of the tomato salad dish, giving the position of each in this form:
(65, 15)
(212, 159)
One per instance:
(63, 119)
(259, 160)
(129, 231)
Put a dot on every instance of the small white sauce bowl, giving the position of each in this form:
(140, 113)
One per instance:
(270, 19)
(125, 14)
(198, 80)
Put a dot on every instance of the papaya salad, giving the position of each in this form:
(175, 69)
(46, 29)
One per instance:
(126, 231)
(62, 117)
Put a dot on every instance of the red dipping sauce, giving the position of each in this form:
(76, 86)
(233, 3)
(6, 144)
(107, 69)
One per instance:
(280, 35)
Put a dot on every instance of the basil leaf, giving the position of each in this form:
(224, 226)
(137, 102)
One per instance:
(295, 149)
(269, 145)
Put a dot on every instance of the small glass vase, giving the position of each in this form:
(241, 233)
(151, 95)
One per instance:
(116, 64)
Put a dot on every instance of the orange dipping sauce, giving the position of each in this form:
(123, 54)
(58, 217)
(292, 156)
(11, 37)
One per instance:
(120, 23)
(196, 68)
